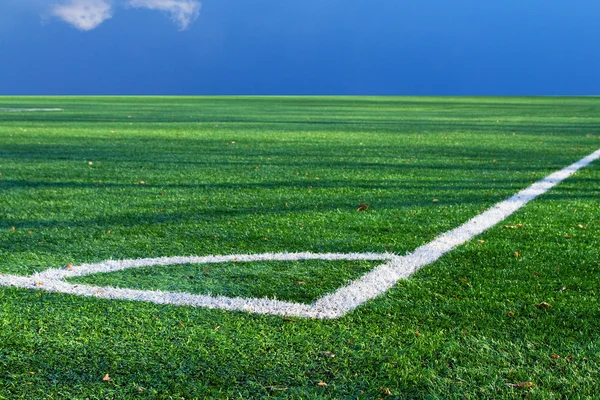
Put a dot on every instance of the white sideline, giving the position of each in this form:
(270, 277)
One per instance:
(29, 109)
(334, 305)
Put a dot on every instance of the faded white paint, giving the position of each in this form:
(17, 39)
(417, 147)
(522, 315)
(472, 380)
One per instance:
(29, 109)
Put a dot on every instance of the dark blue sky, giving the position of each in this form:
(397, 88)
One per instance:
(396, 47)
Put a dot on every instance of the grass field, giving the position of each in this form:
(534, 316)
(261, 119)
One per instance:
(126, 178)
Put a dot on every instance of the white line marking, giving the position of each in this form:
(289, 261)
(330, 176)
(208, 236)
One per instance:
(334, 305)
(10, 110)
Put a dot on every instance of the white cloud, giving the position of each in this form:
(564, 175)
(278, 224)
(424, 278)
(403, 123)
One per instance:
(89, 14)
(182, 12)
(83, 14)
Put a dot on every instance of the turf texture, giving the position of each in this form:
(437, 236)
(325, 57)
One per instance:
(513, 313)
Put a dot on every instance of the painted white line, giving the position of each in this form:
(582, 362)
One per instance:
(11, 110)
(112, 266)
(335, 305)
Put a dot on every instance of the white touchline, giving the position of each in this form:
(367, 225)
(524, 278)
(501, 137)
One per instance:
(334, 305)
(29, 109)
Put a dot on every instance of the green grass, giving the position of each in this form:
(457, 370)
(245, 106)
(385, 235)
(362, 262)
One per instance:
(303, 281)
(239, 175)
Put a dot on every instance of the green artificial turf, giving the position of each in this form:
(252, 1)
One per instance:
(120, 178)
(301, 281)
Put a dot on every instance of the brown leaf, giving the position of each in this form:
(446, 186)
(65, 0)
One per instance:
(511, 314)
(39, 283)
(385, 391)
(181, 324)
(554, 356)
(417, 333)
(69, 267)
(12, 228)
(362, 207)
(106, 378)
(525, 384)
(517, 254)
(328, 354)
(322, 384)
(543, 304)
(567, 236)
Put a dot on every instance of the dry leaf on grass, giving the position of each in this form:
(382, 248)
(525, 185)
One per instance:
(385, 391)
(362, 207)
(513, 226)
(522, 384)
(554, 356)
(106, 378)
(328, 354)
(526, 384)
(322, 384)
(543, 305)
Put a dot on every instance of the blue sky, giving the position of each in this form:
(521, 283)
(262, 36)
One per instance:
(381, 47)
